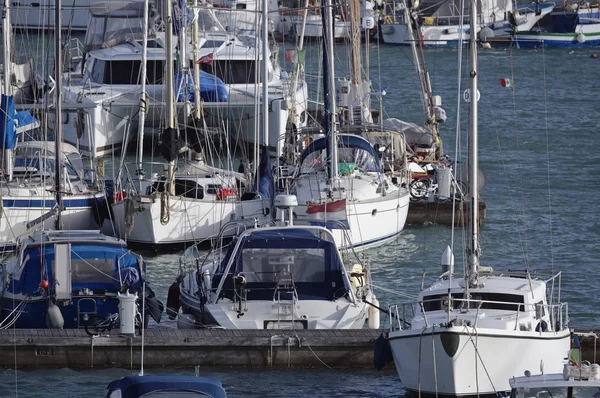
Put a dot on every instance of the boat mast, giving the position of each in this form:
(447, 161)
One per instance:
(170, 111)
(58, 174)
(265, 74)
(473, 249)
(414, 37)
(6, 25)
(195, 34)
(143, 96)
(329, 93)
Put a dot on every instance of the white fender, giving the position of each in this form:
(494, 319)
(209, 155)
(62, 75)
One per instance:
(374, 320)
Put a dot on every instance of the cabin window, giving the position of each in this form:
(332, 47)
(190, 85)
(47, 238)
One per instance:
(126, 72)
(267, 265)
(189, 189)
(99, 270)
(232, 72)
(490, 301)
(213, 188)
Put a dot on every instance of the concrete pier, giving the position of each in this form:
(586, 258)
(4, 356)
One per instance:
(163, 347)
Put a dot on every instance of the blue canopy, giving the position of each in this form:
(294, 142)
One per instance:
(93, 266)
(7, 122)
(212, 89)
(344, 141)
(138, 386)
(317, 269)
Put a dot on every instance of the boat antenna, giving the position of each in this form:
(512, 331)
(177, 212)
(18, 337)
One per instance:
(473, 250)
(58, 175)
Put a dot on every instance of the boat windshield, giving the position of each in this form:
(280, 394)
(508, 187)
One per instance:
(268, 265)
(349, 160)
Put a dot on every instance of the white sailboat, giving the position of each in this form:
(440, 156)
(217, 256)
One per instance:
(339, 182)
(32, 178)
(466, 332)
(195, 201)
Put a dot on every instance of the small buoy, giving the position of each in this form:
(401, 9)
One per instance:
(506, 82)
(186, 321)
(374, 314)
(486, 45)
(593, 55)
(54, 318)
(581, 38)
(44, 284)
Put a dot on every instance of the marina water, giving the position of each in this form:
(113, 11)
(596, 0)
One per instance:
(538, 150)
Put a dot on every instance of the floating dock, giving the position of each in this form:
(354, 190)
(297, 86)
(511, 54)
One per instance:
(164, 347)
(422, 212)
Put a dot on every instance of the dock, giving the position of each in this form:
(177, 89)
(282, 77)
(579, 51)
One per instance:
(165, 347)
(422, 212)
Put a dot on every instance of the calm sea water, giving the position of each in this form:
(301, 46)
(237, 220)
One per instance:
(538, 150)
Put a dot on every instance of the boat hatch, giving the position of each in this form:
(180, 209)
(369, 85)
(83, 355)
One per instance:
(61, 269)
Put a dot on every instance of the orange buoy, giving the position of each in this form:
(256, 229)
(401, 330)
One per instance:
(44, 284)
(593, 55)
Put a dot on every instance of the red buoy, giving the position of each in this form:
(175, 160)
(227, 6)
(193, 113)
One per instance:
(44, 284)
(593, 55)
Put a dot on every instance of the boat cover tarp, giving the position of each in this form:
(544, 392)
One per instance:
(212, 89)
(332, 286)
(265, 186)
(138, 386)
(7, 122)
(344, 141)
(26, 121)
(94, 276)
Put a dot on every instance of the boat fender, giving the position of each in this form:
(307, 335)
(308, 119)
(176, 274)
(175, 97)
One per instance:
(186, 321)
(173, 303)
(382, 352)
(373, 314)
(542, 326)
(357, 276)
(581, 38)
(54, 318)
(155, 306)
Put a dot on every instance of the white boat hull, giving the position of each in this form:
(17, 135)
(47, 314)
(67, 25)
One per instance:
(483, 360)
(183, 220)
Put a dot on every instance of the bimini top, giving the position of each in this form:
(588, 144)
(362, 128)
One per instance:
(351, 149)
(140, 386)
(306, 255)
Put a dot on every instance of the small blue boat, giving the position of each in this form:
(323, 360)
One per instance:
(184, 386)
(71, 279)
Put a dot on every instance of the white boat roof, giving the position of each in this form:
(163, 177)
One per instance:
(48, 146)
(496, 283)
(551, 381)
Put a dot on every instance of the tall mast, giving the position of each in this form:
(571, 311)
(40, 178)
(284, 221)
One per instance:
(329, 92)
(195, 33)
(473, 249)
(143, 97)
(58, 174)
(265, 73)
(355, 40)
(6, 25)
(170, 112)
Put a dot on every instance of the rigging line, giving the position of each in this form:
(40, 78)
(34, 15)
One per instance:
(548, 159)
(519, 168)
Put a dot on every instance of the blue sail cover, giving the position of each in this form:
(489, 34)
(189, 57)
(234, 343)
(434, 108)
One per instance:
(212, 89)
(315, 264)
(7, 122)
(138, 386)
(93, 266)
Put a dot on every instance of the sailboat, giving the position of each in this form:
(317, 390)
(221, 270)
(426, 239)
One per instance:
(30, 173)
(69, 279)
(339, 182)
(466, 332)
(194, 201)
